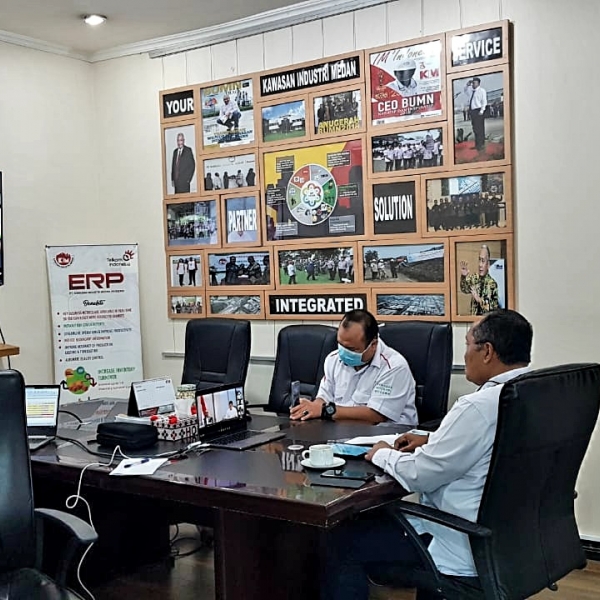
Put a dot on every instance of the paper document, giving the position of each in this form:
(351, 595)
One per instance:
(138, 466)
(371, 440)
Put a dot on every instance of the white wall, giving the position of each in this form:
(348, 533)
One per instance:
(117, 182)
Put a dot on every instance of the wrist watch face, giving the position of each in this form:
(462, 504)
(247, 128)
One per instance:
(330, 409)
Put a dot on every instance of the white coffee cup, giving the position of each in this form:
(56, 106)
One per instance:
(183, 407)
(319, 455)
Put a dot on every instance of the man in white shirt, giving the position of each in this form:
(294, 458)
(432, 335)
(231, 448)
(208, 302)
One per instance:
(364, 380)
(231, 412)
(229, 114)
(448, 468)
(477, 103)
(291, 271)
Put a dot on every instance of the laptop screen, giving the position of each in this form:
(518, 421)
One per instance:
(41, 405)
(220, 405)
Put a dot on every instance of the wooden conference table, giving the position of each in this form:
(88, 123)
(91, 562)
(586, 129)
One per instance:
(268, 518)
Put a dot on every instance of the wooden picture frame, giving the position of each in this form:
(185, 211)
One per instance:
(176, 177)
(182, 280)
(182, 233)
(343, 70)
(217, 276)
(285, 305)
(378, 162)
(495, 124)
(178, 104)
(240, 210)
(312, 165)
(236, 305)
(242, 169)
(421, 100)
(393, 208)
(467, 50)
(284, 121)
(186, 303)
(235, 131)
(484, 205)
(343, 114)
(500, 247)
(420, 304)
(406, 265)
(325, 262)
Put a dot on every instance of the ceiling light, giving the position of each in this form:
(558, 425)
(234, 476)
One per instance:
(94, 20)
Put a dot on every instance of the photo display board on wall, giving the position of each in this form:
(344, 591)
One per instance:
(378, 179)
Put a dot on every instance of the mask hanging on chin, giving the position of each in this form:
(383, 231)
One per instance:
(350, 358)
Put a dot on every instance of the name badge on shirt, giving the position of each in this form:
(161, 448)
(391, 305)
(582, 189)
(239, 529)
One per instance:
(383, 389)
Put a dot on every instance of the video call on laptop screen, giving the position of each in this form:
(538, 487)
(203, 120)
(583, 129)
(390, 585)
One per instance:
(220, 406)
(41, 406)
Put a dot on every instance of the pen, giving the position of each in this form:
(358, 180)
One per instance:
(139, 462)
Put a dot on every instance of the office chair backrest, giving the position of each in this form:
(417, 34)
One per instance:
(17, 529)
(427, 347)
(545, 422)
(217, 351)
(301, 352)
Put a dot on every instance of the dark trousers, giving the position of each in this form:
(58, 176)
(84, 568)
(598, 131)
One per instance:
(358, 547)
(292, 280)
(181, 187)
(478, 123)
(192, 277)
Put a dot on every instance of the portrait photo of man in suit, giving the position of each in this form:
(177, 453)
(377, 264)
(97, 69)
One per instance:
(180, 162)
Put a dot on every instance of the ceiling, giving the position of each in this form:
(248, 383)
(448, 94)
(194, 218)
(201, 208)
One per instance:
(129, 21)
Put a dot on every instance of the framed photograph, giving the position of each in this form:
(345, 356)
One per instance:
(241, 219)
(179, 159)
(177, 105)
(468, 203)
(228, 114)
(481, 276)
(186, 307)
(328, 304)
(486, 46)
(406, 82)
(248, 268)
(393, 207)
(225, 174)
(235, 305)
(413, 150)
(193, 223)
(401, 265)
(337, 112)
(404, 305)
(310, 266)
(184, 270)
(480, 104)
(284, 122)
(314, 192)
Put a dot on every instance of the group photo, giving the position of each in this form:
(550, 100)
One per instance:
(192, 223)
(186, 270)
(338, 112)
(229, 172)
(186, 305)
(323, 266)
(408, 151)
(242, 268)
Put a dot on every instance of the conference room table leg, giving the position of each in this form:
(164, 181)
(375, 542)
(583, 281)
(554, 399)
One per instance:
(258, 558)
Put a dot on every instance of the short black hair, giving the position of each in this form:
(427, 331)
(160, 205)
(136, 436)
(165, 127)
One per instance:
(364, 318)
(476, 79)
(509, 332)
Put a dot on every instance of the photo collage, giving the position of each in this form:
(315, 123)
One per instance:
(378, 179)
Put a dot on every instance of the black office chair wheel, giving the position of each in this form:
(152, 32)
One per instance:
(207, 536)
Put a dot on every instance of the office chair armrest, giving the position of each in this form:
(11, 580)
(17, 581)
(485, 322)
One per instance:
(430, 425)
(441, 518)
(80, 537)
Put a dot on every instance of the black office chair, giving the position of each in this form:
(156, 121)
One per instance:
(22, 527)
(217, 352)
(525, 538)
(427, 348)
(301, 353)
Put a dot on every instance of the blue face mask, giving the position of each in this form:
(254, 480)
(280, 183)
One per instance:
(349, 357)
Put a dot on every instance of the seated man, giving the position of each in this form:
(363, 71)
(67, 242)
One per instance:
(364, 379)
(449, 468)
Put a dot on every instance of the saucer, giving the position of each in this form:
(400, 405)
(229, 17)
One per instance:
(337, 462)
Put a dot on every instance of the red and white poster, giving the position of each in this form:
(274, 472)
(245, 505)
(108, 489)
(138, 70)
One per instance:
(406, 83)
(94, 297)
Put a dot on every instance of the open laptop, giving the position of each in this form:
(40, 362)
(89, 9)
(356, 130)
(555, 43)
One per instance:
(222, 420)
(41, 406)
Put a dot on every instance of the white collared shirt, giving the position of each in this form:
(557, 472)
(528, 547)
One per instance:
(450, 471)
(478, 99)
(386, 385)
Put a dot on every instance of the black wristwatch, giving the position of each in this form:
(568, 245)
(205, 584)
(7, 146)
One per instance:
(328, 410)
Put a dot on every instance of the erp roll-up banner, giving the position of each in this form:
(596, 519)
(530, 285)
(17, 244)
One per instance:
(94, 296)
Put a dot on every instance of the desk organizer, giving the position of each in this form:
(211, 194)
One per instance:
(172, 429)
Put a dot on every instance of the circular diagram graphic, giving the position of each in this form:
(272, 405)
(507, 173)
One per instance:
(311, 194)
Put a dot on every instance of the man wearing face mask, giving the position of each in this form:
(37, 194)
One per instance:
(364, 379)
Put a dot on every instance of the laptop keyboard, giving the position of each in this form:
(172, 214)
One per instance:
(239, 436)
